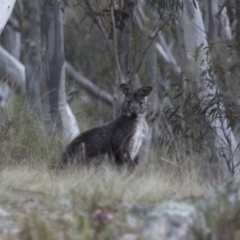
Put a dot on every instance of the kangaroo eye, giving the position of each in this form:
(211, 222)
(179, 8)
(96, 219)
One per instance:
(128, 102)
(141, 103)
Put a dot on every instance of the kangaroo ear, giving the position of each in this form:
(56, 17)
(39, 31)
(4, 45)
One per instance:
(145, 91)
(126, 88)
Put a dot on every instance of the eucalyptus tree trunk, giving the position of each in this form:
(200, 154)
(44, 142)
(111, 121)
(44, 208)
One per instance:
(194, 36)
(32, 54)
(150, 61)
(237, 27)
(125, 28)
(12, 71)
(11, 41)
(118, 41)
(57, 115)
(11, 36)
(151, 79)
(6, 8)
(216, 21)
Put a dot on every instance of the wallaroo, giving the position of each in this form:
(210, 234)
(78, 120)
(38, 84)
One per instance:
(118, 141)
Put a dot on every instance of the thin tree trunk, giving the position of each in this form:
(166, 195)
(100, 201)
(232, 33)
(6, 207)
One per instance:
(210, 21)
(151, 78)
(32, 54)
(58, 117)
(237, 28)
(125, 37)
(216, 21)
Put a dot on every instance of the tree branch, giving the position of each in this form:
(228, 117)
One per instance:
(92, 13)
(90, 87)
(12, 71)
(6, 8)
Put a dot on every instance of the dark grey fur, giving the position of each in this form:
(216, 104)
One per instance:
(120, 139)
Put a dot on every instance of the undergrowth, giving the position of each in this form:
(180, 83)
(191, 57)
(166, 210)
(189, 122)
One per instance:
(87, 203)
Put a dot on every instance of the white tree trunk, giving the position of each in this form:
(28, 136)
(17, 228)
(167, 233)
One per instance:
(216, 21)
(151, 79)
(56, 112)
(6, 7)
(12, 71)
(5, 93)
(11, 42)
(194, 34)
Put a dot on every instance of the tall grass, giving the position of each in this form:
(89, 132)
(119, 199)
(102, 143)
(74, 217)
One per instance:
(28, 181)
(29, 156)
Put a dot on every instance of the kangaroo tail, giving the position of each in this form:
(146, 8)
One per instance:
(68, 154)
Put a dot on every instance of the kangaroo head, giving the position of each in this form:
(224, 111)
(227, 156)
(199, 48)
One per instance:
(134, 104)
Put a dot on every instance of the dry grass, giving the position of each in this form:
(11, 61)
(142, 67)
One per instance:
(35, 202)
(105, 186)
(30, 189)
(28, 158)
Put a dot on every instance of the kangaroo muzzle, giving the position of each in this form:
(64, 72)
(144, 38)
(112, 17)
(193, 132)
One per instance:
(133, 115)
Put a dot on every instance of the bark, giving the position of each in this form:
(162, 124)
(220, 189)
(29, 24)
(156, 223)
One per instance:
(6, 8)
(210, 21)
(5, 93)
(217, 27)
(32, 54)
(56, 112)
(237, 28)
(88, 86)
(11, 36)
(11, 42)
(166, 54)
(193, 32)
(125, 28)
(151, 79)
(216, 21)
(12, 71)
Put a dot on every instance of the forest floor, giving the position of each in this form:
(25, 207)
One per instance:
(37, 204)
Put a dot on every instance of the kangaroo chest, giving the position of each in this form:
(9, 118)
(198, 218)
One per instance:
(140, 132)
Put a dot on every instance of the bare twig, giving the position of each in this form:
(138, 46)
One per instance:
(89, 10)
(146, 49)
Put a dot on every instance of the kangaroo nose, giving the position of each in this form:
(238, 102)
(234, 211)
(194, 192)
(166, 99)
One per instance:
(134, 115)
